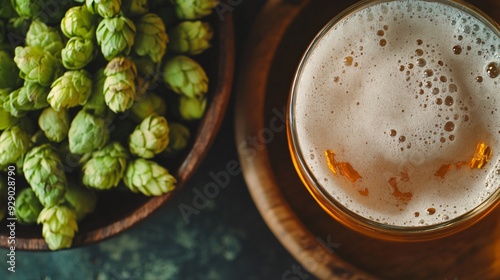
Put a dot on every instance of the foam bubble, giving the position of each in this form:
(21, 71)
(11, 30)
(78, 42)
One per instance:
(404, 107)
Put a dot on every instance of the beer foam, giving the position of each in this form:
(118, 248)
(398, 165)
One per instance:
(404, 93)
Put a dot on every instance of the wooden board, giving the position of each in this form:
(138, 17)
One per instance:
(323, 246)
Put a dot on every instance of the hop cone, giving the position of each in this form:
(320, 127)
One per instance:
(54, 124)
(14, 143)
(105, 8)
(179, 137)
(70, 90)
(194, 9)
(106, 167)
(59, 226)
(87, 133)
(78, 53)
(191, 109)
(115, 36)
(151, 38)
(28, 207)
(44, 37)
(190, 37)
(9, 73)
(148, 178)
(149, 104)
(32, 96)
(96, 102)
(150, 137)
(81, 200)
(37, 65)
(44, 172)
(119, 85)
(185, 76)
(79, 22)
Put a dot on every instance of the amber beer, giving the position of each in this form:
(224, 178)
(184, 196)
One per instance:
(394, 121)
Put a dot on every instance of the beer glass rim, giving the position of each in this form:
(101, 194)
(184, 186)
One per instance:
(333, 207)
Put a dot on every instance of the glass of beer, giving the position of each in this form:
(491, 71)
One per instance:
(394, 118)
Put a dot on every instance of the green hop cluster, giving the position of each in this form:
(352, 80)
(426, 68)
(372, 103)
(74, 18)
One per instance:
(190, 37)
(119, 84)
(70, 90)
(106, 167)
(32, 96)
(151, 38)
(79, 22)
(149, 178)
(14, 143)
(54, 124)
(194, 9)
(37, 65)
(28, 207)
(44, 172)
(150, 137)
(87, 133)
(115, 36)
(44, 37)
(105, 8)
(9, 73)
(185, 76)
(58, 226)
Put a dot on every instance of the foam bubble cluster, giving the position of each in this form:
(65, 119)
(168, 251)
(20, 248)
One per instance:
(405, 101)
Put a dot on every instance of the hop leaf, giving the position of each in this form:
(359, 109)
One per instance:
(106, 167)
(28, 207)
(191, 109)
(44, 172)
(14, 143)
(148, 178)
(59, 226)
(185, 76)
(37, 65)
(150, 137)
(105, 8)
(115, 36)
(87, 133)
(81, 200)
(70, 90)
(194, 9)
(190, 37)
(79, 22)
(44, 37)
(119, 85)
(151, 38)
(78, 53)
(55, 124)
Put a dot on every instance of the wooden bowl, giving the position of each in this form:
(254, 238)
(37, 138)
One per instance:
(320, 244)
(118, 211)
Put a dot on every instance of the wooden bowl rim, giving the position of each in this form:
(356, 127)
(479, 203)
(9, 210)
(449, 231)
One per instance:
(208, 127)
